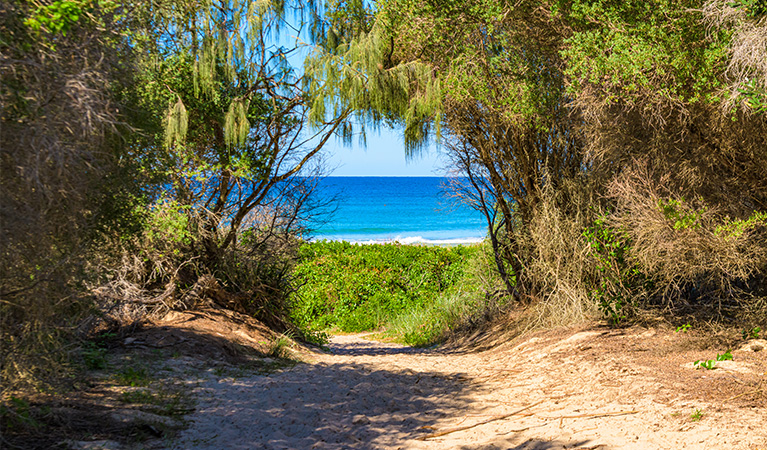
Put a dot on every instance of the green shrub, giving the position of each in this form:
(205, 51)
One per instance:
(469, 303)
(169, 222)
(734, 229)
(362, 287)
(16, 414)
(752, 333)
(94, 356)
(619, 279)
(430, 324)
(133, 376)
(674, 211)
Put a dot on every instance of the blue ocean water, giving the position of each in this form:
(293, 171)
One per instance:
(403, 209)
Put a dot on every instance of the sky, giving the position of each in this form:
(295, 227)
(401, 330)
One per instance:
(383, 156)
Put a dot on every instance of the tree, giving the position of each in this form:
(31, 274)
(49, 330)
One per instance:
(488, 73)
(82, 84)
(236, 125)
(223, 183)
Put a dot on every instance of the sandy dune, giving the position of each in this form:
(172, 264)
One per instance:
(586, 389)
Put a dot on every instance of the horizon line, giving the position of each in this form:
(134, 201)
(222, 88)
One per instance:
(389, 176)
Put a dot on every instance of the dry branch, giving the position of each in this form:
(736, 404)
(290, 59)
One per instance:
(592, 416)
(758, 391)
(492, 419)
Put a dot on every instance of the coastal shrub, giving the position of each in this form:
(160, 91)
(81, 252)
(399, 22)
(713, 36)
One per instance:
(68, 175)
(362, 287)
(695, 251)
(164, 268)
(619, 281)
(472, 301)
(560, 271)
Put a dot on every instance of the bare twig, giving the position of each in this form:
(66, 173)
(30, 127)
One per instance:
(756, 391)
(492, 419)
(592, 416)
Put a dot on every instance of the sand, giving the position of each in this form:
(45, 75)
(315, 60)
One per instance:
(588, 389)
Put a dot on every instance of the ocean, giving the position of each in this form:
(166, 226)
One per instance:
(409, 210)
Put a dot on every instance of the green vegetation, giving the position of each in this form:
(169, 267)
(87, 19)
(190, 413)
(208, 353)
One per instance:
(279, 347)
(417, 294)
(151, 160)
(363, 287)
(94, 356)
(462, 307)
(133, 376)
(726, 356)
(620, 281)
(697, 414)
(474, 299)
(753, 333)
(672, 211)
(734, 229)
(709, 364)
(599, 139)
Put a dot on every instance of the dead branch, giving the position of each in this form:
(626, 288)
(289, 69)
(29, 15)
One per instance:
(593, 416)
(492, 419)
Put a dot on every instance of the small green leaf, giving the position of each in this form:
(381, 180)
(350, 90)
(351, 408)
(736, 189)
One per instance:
(727, 356)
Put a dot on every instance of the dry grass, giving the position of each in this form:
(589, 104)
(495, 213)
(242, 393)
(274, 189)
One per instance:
(683, 249)
(559, 266)
(748, 49)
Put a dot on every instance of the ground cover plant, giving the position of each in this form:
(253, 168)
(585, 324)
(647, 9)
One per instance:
(352, 287)
(475, 300)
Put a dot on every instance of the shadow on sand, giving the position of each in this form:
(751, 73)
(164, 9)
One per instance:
(323, 406)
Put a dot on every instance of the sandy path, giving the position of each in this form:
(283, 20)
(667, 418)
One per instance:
(371, 395)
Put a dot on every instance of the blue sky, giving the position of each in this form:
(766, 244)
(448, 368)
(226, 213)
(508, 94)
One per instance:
(383, 156)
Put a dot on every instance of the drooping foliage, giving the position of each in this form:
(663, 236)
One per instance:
(355, 68)
(241, 153)
(496, 88)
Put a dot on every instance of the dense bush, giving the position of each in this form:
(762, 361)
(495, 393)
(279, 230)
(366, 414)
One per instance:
(104, 105)
(67, 174)
(162, 269)
(362, 287)
(691, 249)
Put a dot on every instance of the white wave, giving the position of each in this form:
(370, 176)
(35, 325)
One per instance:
(418, 240)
